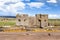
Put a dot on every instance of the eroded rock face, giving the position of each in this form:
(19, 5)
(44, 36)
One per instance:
(39, 20)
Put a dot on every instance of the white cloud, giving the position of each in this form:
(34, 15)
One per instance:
(36, 4)
(54, 16)
(11, 7)
(14, 7)
(2, 9)
(10, 1)
(52, 1)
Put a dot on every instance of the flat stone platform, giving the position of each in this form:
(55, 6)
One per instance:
(29, 36)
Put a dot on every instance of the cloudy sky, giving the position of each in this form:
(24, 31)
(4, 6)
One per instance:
(31, 7)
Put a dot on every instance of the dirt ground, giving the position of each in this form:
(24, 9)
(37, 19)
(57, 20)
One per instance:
(29, 36)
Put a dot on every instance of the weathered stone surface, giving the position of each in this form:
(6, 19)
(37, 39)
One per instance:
(39, 20)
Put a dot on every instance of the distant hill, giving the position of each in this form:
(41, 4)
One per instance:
(8, 16)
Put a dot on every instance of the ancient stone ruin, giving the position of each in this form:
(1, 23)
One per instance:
(39, 20)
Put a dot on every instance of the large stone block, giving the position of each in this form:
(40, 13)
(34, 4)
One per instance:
(39, 20)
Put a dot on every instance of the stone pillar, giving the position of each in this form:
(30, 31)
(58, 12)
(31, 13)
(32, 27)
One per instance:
(22, 20)
(42, 20)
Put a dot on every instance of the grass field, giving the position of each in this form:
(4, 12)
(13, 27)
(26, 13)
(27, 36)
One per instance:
(12, 22)
(55, 22)
(7, 23)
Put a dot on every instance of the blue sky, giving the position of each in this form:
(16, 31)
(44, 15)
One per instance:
(30, 7)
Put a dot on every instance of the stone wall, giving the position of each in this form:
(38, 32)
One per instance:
(42, 20)
(39, 20)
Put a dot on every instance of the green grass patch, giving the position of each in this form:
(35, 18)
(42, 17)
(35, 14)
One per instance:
(55, 22)
(7, 23)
